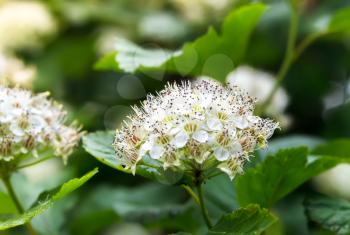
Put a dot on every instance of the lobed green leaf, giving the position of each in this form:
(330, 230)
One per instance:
(45, 201)
(280, 174)
(338, 148)
(150, 203)
(100, 145)
(212, 54)
(248, 221)
(331, 213)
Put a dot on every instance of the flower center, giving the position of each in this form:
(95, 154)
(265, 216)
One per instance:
(191, 127)
(223, 139)
(168, 119)
(197, 108)
(164, 139)
(5, 147)
(222, 116)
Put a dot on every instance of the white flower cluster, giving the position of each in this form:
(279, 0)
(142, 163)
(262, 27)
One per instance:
(199, 11)
(32, 124)
(13, 72)
(24, 23)
(197, 125)
(259, 84)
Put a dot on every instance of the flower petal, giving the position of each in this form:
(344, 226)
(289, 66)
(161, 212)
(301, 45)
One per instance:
(221, 154)
(214, 124)
(180, 140)
(236, 147)
(231, 168)
(156, 152)
(240, 122)
(224, 168)
(147, 146)
(201, 136)
(253, 119)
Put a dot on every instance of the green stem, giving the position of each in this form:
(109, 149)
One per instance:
(305, 44)
(203, 207)
(17, 203)
(34, 163)
(288, 58)
(191, 193)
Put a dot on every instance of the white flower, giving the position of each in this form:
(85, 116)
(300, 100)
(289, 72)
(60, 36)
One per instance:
(156, 152)
(13, 72)
(23, 24)
(221, 154)
(180, 126)
(201, 136)
(180, 140)
(32, 123)
(214, 124)
(259, 84)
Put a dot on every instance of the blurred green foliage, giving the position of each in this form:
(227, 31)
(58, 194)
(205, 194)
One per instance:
(87, 31)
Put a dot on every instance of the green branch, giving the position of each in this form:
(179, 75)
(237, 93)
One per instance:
(288, 58)
(191, 193)
(19, 207)
(203, 207)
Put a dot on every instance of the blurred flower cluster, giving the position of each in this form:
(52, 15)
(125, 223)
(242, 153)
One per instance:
(33, 124)
(194, 126)
(23, 24)
(13, 72)
(198, 11)
(259, 84)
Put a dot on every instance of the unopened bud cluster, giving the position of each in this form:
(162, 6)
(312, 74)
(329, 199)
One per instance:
(194, 126)
(31, 124)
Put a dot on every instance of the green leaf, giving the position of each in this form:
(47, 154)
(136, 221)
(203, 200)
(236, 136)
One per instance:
(92, 223)
(212, 54)
(180, 233)
(107, 62)
(99, 145)
(248, 220)
(339, 148)
(338, 22)
(220, 195)
(45, 201)
(331, 213)
(53, 220)
(291, 141)
(6, 203)
(280, 174)
(147, 203)
(130, 58)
